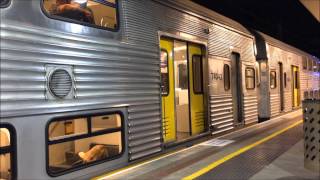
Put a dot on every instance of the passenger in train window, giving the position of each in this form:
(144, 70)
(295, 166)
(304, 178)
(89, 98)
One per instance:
(101, 13)
(73, 10)
(5, 155)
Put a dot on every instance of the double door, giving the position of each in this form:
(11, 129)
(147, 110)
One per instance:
(183, 112)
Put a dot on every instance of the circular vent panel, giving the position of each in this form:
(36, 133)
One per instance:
(60, 83)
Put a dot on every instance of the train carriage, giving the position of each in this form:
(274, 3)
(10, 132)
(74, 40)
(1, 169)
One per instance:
(291, 76)
(111, 82)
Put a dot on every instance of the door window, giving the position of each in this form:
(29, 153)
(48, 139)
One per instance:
(197, 74)
(164, 72)
(226, 77)
(273, 79)
(285, 80)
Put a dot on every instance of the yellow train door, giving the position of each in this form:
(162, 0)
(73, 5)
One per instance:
(167, 88)
(295, 87)
(196, 88)
(182, 89)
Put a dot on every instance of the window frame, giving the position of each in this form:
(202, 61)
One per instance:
(305, 62)
(315, 66)
(193, 74)
(246, 77)
(310, 64)
(168, 69)
(229, 77)
(275, 79)
(11, 149)
(63, 19)
(285, 79)
(83, 136)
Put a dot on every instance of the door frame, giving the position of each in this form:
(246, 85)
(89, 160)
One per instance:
(179, 36)
(281, 86)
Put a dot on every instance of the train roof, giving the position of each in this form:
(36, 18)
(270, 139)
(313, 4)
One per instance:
(275, 42)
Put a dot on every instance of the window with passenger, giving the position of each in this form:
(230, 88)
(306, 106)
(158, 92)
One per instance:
(100, 13)
(7, 168)
(77, 142)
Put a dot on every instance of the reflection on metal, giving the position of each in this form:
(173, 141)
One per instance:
(313, 6)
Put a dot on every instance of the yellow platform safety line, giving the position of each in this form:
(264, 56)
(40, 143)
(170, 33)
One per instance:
(240, 151)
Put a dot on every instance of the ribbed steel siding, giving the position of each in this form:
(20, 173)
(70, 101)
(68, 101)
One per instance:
(141, 28)
(288, 101)
(106, 74)
(250, 109)
(220, 41)
(143, 24)
(304, 81)
(275, 104)
(221, 113)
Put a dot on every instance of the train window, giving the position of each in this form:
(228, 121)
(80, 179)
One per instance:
(226, 77)
(63, 129)
(105, 122)
(164, 72)
(285, 80)
(310, 64)
(197, 74)
(250, 78)
(305, 63)
(94, 139)
(7, 168)
(315, 66)
(98, 13)
(273, 79)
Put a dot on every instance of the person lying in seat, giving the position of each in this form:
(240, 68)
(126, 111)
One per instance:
(97, 152)
(72, 10)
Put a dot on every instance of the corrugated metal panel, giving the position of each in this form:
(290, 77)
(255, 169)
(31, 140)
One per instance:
(250, 109)
(107, 73)
(221, 40)
(304, 81)
(144, 23)
(288, 101)
(274, 104)
(221, 113)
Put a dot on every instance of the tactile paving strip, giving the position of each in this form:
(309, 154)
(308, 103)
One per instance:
(254, 160)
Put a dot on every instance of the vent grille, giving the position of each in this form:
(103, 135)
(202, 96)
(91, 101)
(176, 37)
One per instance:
(60, 83)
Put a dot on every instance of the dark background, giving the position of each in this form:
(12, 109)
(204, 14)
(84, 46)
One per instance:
(286, 20)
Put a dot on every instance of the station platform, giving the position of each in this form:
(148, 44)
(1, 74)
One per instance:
(268, 150)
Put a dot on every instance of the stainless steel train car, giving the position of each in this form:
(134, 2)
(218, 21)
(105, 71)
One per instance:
(88, 86)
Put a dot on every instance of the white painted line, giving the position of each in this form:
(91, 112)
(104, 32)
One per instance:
(217, 142)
